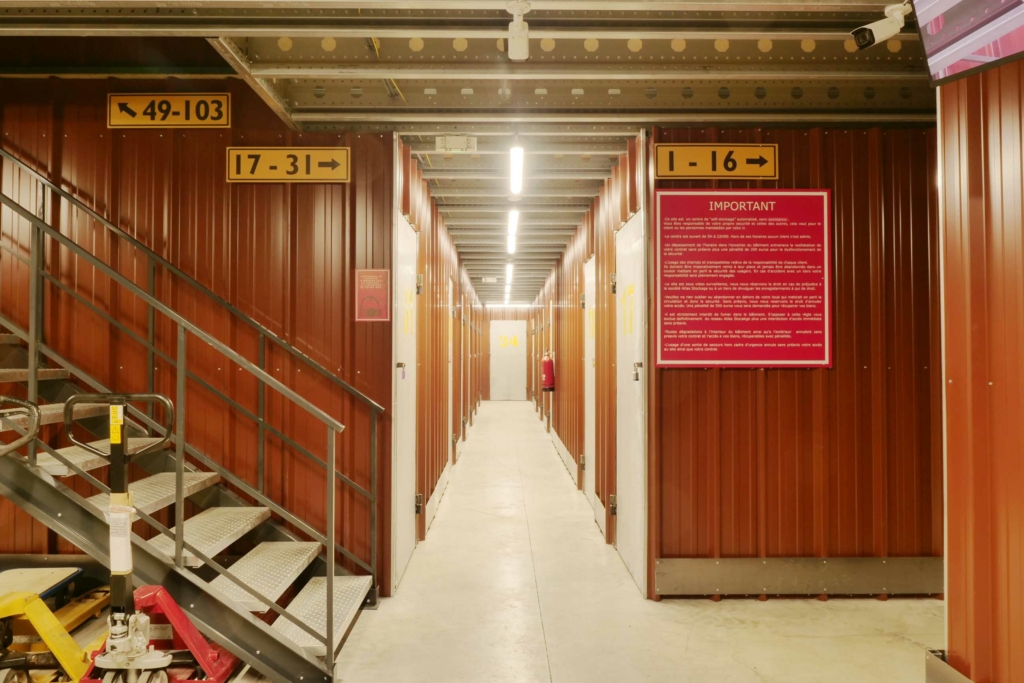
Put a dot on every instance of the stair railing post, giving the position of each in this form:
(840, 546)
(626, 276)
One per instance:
(331, 483)
(261, 413)
(373, 501)
(151, 327)
(179, 451)
(34, 294)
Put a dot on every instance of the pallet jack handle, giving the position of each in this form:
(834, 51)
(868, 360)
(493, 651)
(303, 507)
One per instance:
(122, 400)
(32, 411)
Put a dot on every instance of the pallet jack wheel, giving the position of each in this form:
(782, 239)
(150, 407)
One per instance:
(14, 676)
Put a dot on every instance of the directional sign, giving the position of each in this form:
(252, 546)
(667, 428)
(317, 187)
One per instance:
(716, 162)
(288, 164)
(163, 110)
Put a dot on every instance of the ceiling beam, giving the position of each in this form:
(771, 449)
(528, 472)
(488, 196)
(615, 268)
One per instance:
(735, 6)
(572, 149)
(237, 60)
(531, 175)
(502, 71)
(707, 118)
(523, 209)
(527, 194)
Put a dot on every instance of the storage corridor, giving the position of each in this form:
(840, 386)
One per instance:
(516, 583)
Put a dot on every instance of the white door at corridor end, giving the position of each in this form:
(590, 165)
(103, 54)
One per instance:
(508, 360)
(631, 435)
(404, 408)
(589, 380)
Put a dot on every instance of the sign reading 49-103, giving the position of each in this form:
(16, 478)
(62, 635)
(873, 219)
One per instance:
(166, 110)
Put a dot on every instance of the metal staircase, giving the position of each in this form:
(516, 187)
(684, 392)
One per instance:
(288, 554)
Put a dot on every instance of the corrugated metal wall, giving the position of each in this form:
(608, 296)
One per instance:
(839, 462)
(981, 157)
(441, 269)
(282, 254)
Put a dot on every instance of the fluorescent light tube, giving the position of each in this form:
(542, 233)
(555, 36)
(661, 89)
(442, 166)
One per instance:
(511, 244)
(513, 221)
(508, 274)
(516, 159)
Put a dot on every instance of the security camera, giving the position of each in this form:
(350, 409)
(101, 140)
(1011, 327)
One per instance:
(895, 19)
(518, 31)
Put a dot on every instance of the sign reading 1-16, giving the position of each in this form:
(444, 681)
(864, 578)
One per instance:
(163, 110)
(698, 161)
(288, 164)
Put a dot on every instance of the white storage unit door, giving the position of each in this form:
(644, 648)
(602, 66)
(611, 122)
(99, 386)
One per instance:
(508, 360)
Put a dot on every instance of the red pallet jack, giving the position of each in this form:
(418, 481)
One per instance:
(151, 639)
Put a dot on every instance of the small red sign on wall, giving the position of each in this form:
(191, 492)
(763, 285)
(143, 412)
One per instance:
(373, 300)
(744, 278)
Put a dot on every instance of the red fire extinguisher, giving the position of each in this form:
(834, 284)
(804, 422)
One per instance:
(547, 372)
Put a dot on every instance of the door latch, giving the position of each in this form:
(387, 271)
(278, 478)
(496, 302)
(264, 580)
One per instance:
(613, 283)
(636, 371)
(401, 366)
(583, 462)
(613, 506)
(419, 503)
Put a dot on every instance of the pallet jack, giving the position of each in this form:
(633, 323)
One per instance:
(151, 639)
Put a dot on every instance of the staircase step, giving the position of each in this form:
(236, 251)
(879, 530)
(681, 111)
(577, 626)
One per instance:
(309, 606)
(10, 339)
(21, 374)
(157, 492)
(53, 413)
(270, 568)
(87, 460)
(213, 530)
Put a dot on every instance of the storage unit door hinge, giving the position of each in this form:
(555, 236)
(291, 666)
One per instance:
(613, 283)
(612, 505)
(419, 503)
(583, 462)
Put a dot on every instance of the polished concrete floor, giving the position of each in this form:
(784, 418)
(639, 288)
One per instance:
(515, 583)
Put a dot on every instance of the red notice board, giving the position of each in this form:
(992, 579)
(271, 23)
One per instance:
(744, 278)
(373, 300)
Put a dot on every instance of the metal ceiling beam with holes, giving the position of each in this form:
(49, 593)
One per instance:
(533, 174)
(594, 148)
(537, 6)
(503, 71)
(237, 60)
(710, 117)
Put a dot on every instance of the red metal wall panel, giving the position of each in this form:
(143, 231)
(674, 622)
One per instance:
(284, 255)
(981, 157)
(838, 462)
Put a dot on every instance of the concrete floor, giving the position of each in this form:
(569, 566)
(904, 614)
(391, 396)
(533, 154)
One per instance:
(515, 583)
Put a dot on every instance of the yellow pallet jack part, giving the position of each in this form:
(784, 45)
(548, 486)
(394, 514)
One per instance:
(70, 616)
(71, 657)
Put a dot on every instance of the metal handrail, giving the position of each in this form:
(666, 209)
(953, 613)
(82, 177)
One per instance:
(37, 347)
(220, 301)
(32, 410)
(198, 332)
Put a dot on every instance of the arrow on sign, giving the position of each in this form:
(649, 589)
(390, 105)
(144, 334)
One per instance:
(332, 164)
(759, 161)
(125, 109)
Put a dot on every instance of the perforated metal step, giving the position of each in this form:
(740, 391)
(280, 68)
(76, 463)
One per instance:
(21, 374)
(87, 460)
(270, 568)
(53, 413)
(213, 530)
(157, 492)
(310, 606)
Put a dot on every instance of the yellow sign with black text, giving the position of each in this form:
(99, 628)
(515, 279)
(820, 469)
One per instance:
(289, 164)
(716, 162)
(166, 110)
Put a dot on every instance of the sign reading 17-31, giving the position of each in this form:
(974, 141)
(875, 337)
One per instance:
(288, 164)
(166, 110)
(689, 161)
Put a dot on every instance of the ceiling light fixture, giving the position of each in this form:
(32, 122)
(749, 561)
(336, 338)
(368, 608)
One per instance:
(508, 289)
(513, 222)
(516, 160)
(511, 244)
(508, 274)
